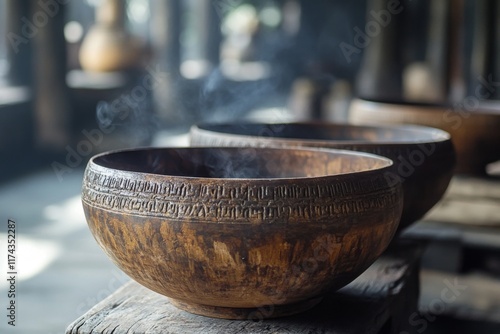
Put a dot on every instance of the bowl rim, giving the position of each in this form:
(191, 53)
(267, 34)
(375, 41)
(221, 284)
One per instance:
(484, 108)
(439, 136)
(92, 164)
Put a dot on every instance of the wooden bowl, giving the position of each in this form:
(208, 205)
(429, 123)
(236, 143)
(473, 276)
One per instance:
(475, 133)
(423, 157)
(241, 233)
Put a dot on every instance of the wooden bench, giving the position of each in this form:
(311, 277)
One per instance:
(463, 236)
(381, 300)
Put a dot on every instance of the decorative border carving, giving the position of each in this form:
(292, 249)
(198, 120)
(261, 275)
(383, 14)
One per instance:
(239, 204)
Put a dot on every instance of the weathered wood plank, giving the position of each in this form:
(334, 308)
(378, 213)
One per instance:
(472, 296)
(467, 235)
(468, 218)
(475, 187)
(479, 212)
(469, 201)
(386, 292)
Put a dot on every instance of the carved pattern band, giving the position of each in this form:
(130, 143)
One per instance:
(241, 203)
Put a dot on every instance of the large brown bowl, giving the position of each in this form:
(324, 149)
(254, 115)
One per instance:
(241, 233)
(475, 130)
(423, 157)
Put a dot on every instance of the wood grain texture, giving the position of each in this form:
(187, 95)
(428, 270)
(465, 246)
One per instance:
(461, 261)
(227, 246)
(473, 296)
(383, 296)
(469, 201)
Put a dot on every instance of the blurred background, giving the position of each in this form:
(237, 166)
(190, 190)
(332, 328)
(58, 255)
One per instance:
(82, 77)
(136, 69)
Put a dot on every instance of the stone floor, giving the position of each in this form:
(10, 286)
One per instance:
(61, 270)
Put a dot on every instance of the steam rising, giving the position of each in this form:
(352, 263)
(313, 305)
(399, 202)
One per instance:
(131, 117)
(221, 100)
(225, 164)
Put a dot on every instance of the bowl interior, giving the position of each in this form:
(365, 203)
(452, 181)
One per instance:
(344, 133)
(260, 163)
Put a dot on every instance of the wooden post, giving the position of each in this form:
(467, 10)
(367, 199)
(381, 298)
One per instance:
(165, 33)
(437, 51)
(19, 48)
(456, 54)
(210, 35)
(496, 49)
(482, 46)
(380, 75)
(52, 105)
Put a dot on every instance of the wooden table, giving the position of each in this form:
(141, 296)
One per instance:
(381, 300)
(463, 229)
(463, 236)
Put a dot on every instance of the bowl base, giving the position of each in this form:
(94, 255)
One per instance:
(256, 314)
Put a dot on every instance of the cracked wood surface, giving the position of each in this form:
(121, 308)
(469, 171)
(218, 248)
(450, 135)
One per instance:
(382, 297)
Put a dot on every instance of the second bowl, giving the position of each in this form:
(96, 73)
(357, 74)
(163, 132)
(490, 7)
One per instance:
(423, 157)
